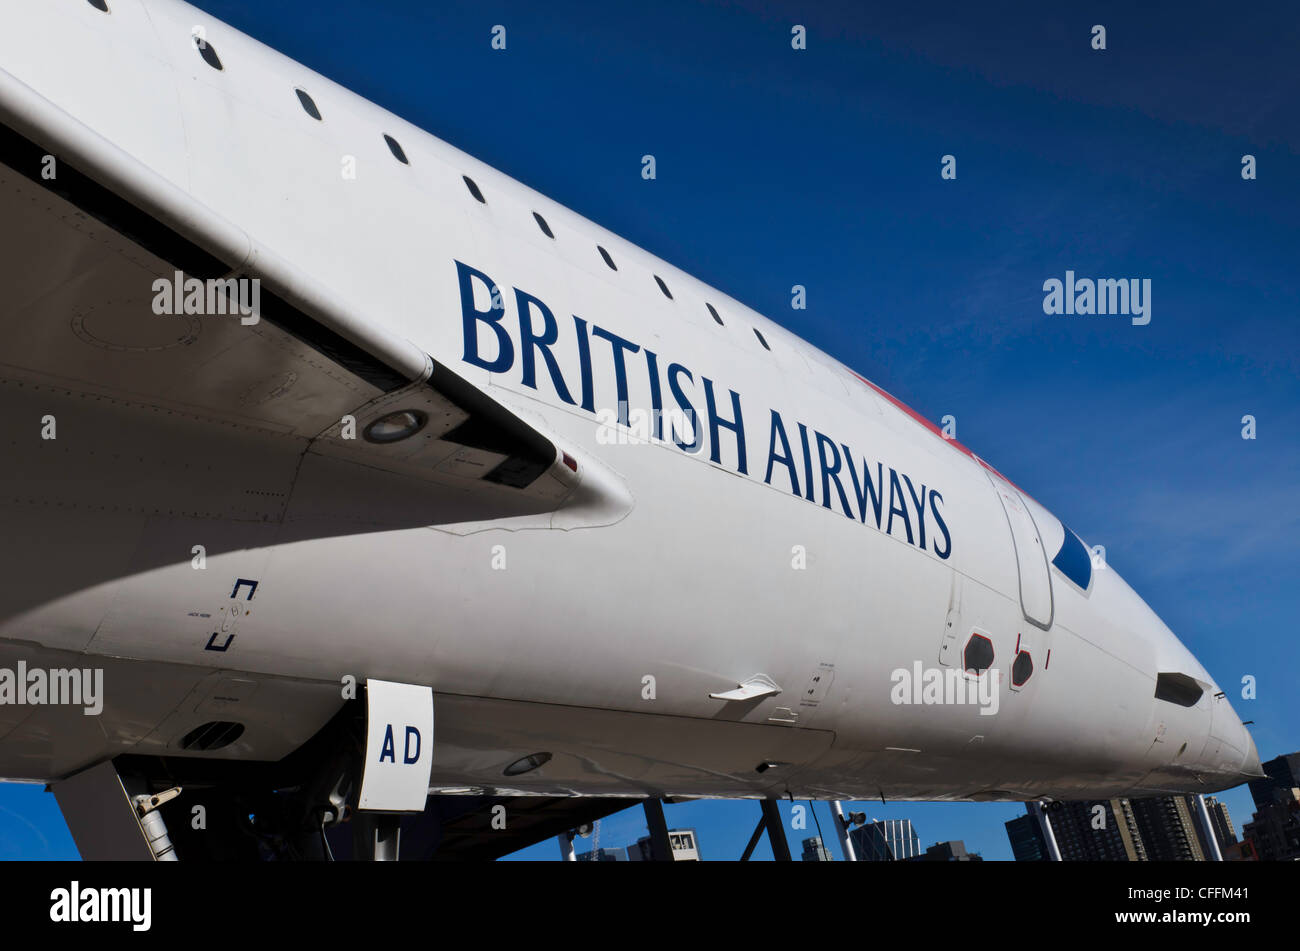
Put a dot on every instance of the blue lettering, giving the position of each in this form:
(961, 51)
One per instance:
(830, 472)
(807, 463)
(656, 396)
(919, 502)
(618, 345)
(471, 317)
(584, 364)
(531, 342)
(687, 408)
(736, 425)
(947, 539)
(896, 491)
(787, 458)
(863, 490)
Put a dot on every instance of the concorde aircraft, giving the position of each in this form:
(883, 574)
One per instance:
(372, 483)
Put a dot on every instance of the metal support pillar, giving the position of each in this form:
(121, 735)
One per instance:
(1207, 830)
(660, 849)
(753, 839)
(377, 836)
(565, 839)
(842, 831)
(1045, 827)
(775, 831)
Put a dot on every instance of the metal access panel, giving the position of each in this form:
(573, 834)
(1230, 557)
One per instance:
(1031, 559)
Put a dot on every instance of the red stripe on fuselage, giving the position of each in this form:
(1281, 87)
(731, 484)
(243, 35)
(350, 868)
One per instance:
(937, 431)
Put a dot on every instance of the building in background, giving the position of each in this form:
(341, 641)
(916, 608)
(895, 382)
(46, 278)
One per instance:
(1096, 830)
(1159, 829)
(1027, 842)
(1241, 851)
(1273, 835)
(1220, 822)
(953, 850)
(1283, 774)
(1168, 829)
(685, 845)
(815, 851)
(890, 840)
(603, 855)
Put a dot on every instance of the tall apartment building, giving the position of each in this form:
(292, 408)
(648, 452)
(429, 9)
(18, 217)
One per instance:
(890, 840)
(1103, 830)
(1168, 829)
(1158, 829)
(1220, 824)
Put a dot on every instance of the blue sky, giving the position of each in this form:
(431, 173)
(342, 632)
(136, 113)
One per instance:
(821, 168)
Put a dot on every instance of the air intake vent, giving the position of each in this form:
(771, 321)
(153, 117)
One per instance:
(1178, 688)
(212, 736)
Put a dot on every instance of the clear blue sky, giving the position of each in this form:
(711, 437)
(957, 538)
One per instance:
(821, 168)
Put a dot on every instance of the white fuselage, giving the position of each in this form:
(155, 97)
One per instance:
(538, 633)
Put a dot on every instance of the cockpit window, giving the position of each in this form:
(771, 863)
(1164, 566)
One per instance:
(1073, 560)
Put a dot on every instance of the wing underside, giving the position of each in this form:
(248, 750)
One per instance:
(147, 327)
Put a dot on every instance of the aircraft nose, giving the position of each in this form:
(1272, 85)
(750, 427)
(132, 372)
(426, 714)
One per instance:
(1237, 752)
(1250, 767)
